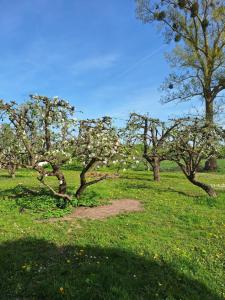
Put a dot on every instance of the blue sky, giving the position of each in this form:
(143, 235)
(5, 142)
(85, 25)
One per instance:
(95, 54)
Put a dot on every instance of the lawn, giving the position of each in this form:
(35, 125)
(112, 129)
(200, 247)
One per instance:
(174, 249)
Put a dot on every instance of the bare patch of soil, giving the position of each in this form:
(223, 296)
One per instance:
(116, 207)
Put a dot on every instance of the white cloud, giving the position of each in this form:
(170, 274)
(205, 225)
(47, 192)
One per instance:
(95, 63)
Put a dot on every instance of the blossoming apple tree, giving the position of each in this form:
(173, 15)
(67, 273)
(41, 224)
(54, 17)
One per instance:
(45, 126)
(11, 150)
(192, 142)
(98, 144)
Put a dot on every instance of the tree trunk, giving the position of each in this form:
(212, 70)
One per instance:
(156, 169)
(83, 181)
(83, 184)
(155, 164)
(211, 163)
(62, 181)
(207, 188)
(12, 170)
(209, 112)
(62, 187)
(80, 191)
(13, 175)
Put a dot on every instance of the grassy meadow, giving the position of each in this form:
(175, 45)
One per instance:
(174, 249)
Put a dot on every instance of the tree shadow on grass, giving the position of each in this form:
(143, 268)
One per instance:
(72, 168)
(177, 175)
(42, 202)
(200, 199)
(142, 177)
(20, 191)
(149, 176)
(183, 193)
(36, 269)
(34, 199)
(154, 187)
(196, 197)
(137, 186)
(6, 176)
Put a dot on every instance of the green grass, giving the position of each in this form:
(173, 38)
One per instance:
(174, 249)
(171, 166)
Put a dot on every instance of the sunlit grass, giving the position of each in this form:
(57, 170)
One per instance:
(174, 249)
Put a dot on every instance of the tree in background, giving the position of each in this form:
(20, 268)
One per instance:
(11, 150)
(153, 135)
(199, 58)
(192, 142)
(45, 127)
(98, 144)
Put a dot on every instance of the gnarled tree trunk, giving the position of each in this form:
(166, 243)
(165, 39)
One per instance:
(62, 188)
(207, 188)
(80, 191)
(83, 181)
(62, 181)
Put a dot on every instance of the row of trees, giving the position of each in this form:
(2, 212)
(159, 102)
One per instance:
(186, 141)
(44, 130)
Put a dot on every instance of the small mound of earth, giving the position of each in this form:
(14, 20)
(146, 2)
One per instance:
(116, 207)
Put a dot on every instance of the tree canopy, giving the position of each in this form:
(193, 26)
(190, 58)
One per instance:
(198, 28)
